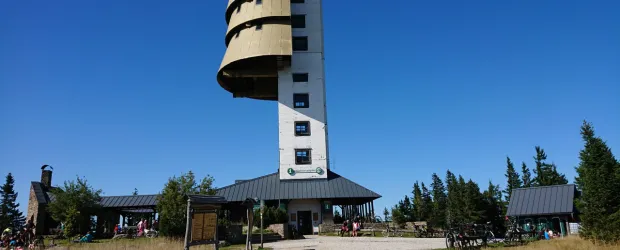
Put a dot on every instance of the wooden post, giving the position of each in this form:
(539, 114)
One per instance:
(372, 209)
(217, 233)
(248, 240)
(188, 225)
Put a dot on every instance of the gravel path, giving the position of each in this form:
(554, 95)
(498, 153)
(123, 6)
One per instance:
(361, 243)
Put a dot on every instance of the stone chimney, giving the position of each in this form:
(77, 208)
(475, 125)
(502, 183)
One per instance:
(46, 176)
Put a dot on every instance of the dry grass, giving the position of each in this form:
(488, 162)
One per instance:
(567, 243)
(140, 244)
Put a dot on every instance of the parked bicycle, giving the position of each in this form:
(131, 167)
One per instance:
(392, 231)
(453, 238)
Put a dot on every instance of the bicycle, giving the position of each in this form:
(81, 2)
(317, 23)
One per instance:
(393, 231)
(454, 238)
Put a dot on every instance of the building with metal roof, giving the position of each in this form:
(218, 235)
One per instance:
(544, 207)
(114, 207)
(275, 52)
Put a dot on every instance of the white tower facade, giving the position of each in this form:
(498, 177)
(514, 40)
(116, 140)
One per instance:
(275, 53)
(301, 98)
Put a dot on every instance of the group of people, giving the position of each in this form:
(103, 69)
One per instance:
(351, 227)
(18, 238)
(142, 227)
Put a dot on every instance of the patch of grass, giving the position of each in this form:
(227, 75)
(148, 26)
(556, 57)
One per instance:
(566, 243)
(138, 244)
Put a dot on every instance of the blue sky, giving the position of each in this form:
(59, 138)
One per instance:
(124, 92)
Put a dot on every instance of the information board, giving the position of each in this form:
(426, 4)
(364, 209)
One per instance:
(204, 226)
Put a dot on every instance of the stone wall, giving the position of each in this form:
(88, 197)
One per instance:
(330, 228)
(281, 229)
(34, 213)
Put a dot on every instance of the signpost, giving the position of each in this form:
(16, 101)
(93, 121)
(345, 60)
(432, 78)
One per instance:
(262, 210)
(201, 222)
(250, 204)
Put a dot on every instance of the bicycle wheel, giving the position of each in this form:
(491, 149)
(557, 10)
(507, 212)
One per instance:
(491, 237)
(385, 233)
(450, 241)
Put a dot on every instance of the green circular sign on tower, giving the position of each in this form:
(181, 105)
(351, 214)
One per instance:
(319, 171)
(290, 171)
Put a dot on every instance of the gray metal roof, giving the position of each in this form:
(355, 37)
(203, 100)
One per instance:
(42, 194)
(270, 187)
(129, 201)
(546, 200)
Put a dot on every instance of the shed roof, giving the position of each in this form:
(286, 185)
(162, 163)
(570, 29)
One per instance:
(547, 200)
(129, 201)
(44, 196)
(270, 187)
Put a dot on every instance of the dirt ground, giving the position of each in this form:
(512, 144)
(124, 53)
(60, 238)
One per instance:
(359, 243)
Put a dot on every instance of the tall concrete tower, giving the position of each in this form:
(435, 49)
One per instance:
(275, 52)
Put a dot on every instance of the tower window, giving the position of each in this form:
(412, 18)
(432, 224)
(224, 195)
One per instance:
(302, 128)
(297, 1)
(301, 100)
(300, 77)
(302, 156)
(300, 43)
(298, 21)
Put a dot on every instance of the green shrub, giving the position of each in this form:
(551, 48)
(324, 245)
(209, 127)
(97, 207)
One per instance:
(271, 215)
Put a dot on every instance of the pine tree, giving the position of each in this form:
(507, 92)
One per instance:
(453, 210)
(418, 207)
(386, 214)
(438, 218)
(494, 207)
(473, 207)
(9, 208)
(546, 174)
(598, 177)
(427, 204)
(405, 207)
(541, 177)
(514, 180)
(555, 177)
(526, 176)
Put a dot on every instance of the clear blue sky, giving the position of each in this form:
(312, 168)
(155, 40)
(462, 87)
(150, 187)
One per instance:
(124, 92)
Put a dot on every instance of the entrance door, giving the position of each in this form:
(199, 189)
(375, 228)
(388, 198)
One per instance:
(304, 222)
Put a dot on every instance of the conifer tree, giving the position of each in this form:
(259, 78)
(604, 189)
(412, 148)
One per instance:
(452, 201)
(9, 208)
(473, 207)
(598, 177)
(494, 207)
(418, 207)
(526, 176)
(427, 204)
(438, 217)
(546, 174)
(514, 180)
(405, 207)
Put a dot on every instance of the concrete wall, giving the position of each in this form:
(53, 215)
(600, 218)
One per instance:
(311, 62)
(314, 206)
(280, 229)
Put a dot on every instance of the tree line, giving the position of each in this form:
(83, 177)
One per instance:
(455, 199)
